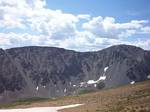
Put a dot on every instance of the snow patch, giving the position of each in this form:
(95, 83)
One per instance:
(74, 85)
(41, 109)
(106, 68)
(102, 78)
(95, 85)
(133, 82)
(37, 88)
(91, 82)
(65, 90)
(82, 84)
(97, 81)
(148, 76)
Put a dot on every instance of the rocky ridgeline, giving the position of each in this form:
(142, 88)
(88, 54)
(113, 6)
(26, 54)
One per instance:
(51, 72)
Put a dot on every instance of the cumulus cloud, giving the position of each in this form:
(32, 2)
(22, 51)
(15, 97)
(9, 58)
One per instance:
(30, 22)
(145, 30)
(57, 25)
(33, 14)
(145, 44)
(108, 27)
(84, 16)
(11, 39)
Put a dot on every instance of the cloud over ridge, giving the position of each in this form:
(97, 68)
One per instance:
(31, 22)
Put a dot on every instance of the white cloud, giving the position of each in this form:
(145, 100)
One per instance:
(57, 24)
(84, 16)
(33, 14)
(83, 41)
(145, 30)
(38, 25)
(145, 44)
(108, 28)
(17, 40)
(127, 33)
(11, 22)
(18, 12)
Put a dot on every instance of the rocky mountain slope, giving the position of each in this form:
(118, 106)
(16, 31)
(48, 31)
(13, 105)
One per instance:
(50, 72)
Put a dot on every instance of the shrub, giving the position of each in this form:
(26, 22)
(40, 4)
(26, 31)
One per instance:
(100, 85)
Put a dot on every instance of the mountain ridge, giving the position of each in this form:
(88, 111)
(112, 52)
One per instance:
(51, 72)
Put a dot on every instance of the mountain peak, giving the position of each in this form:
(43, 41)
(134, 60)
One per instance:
(58, 72)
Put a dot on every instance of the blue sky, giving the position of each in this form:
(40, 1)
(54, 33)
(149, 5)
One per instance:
(122, 10)
(74, 24)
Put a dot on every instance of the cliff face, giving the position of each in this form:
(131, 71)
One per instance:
(51, 72)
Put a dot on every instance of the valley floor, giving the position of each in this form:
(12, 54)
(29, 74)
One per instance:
(130, 98)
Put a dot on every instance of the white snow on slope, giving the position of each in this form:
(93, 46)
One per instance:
(91, 82)
(37, 88)
(148, 76)
(94, 82)
(40, 109)
(106, 68)
(65, 90)
(82, 84)
(132, 82)
(100, 78)
(74, 85)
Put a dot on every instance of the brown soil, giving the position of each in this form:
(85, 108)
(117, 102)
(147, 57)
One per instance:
(131, 98)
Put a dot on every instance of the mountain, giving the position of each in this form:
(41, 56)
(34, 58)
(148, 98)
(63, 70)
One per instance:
(51, 72)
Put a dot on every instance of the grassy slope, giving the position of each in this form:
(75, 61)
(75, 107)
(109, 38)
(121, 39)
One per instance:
(130, 98)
